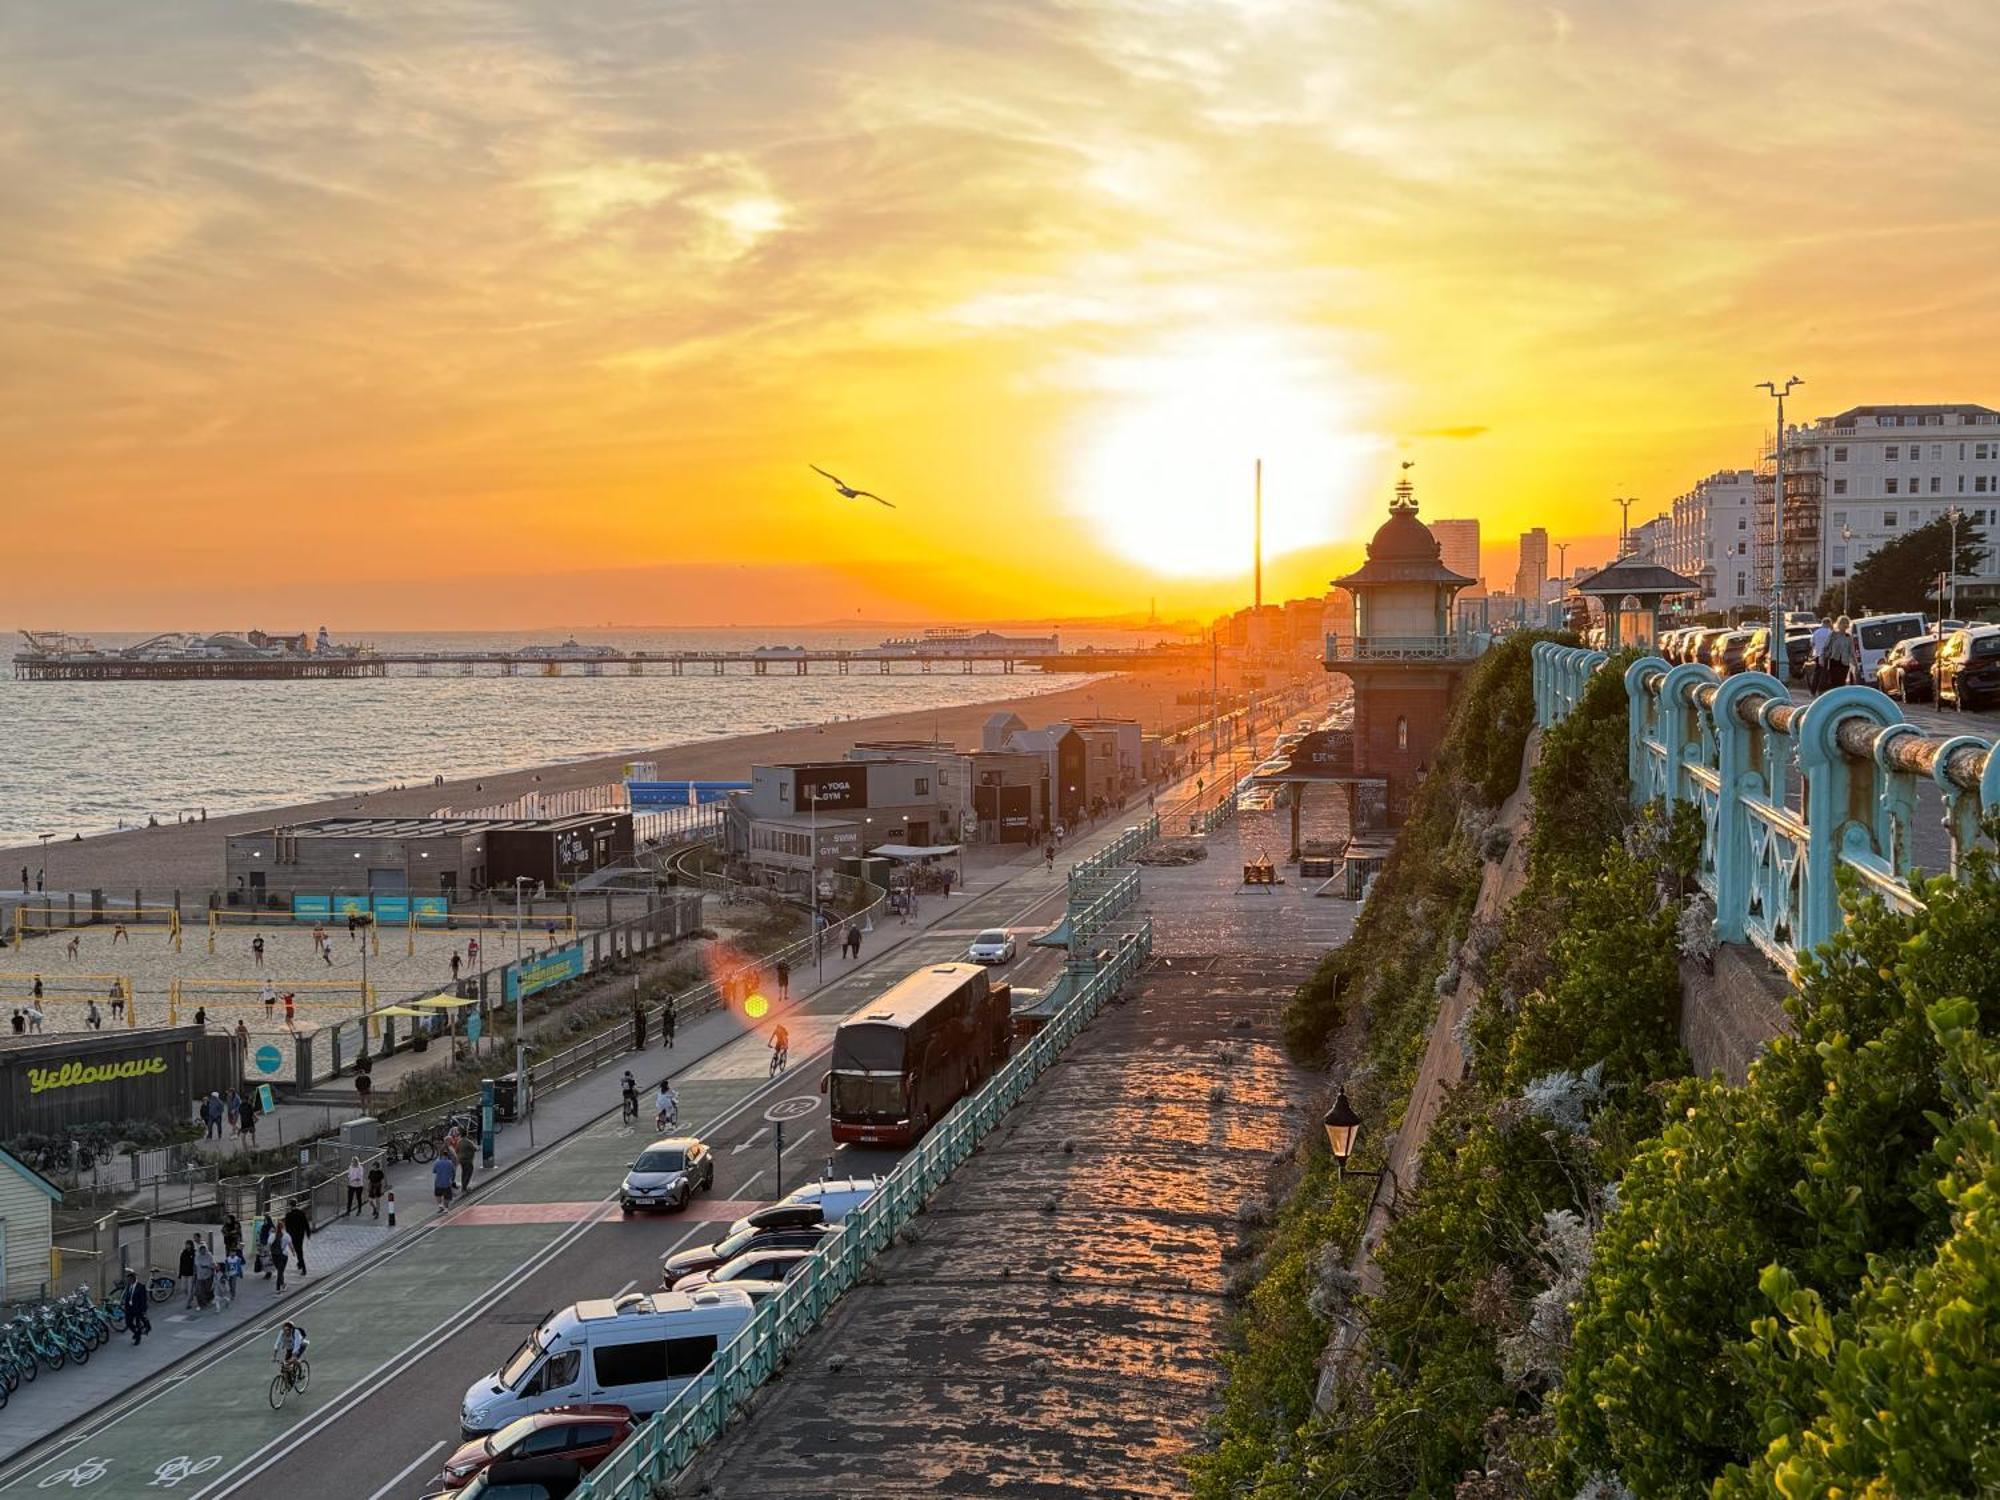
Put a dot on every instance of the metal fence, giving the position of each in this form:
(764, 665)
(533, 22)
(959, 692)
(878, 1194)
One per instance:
(1105, 862)
(669, 1441)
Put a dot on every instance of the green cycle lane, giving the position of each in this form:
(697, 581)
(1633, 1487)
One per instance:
(396, 1342)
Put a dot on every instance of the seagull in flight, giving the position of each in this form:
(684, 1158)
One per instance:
(848, 491)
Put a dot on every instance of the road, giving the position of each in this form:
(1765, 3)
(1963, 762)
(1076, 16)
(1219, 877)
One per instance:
(395, 1344)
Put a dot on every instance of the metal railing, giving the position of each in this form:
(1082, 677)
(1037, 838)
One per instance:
(1105, 863)
(1396, 647)
(1789, 794)
(669, 1441)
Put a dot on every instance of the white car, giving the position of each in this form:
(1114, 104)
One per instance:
(753, 1265)
(994, 946)
(835, 1198)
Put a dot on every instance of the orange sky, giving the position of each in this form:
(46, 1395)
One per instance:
(470, 313)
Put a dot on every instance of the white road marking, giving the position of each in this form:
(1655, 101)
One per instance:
(408, 1469)
(796, 1144)
(624, 1289)
(741, 1146)
(743, 1187)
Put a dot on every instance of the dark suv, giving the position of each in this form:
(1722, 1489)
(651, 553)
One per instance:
(1968, 668)
(708, 1257)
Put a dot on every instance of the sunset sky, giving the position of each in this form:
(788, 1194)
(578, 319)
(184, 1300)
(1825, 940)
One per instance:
(430, 313)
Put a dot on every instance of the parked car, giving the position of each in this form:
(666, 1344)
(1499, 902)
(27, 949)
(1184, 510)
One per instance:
(1726, 654)
(1798, 652)
(667, 1174)
(707, 1257)
(1967, 669)
(1905, 671)
(1875, 634)
(1702, 647)
(994, 946)
(584, 1435)
(826, 1202)
(757, 1265)
(521, 1479)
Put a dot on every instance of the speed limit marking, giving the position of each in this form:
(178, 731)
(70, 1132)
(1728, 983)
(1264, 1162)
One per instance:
(791, 1109)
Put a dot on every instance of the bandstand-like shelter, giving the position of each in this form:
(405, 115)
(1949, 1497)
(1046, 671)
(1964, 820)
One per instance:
(1630, 592)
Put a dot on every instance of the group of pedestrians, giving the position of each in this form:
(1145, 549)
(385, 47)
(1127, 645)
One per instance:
(238, 1110)
(1835, 658)
(451, 1173)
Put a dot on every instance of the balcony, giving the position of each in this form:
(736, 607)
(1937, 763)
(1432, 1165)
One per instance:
(1397, 648)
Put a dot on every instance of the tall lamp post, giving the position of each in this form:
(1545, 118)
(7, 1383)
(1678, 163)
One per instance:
(1624, 504)
(1953, 515)
(1778, 507)
(819, 938)
(43, 882)
(521, 882)
(1847, 563)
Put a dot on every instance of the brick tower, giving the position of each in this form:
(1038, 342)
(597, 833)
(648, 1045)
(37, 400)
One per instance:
(1401, 652)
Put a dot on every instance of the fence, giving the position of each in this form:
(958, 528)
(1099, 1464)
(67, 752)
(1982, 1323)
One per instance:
(1789, 794)
(669, 1441)
(1106, 861)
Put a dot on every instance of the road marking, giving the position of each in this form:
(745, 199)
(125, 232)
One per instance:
(796, 1144)
(624, 1289)
(744, 1185)
(409, 1468)
(744, 1145)
(791, 1109)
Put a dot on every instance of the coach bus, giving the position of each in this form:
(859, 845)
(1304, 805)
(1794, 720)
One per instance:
(905, 1058)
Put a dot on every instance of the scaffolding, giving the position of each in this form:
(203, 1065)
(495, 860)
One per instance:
(1802, 539)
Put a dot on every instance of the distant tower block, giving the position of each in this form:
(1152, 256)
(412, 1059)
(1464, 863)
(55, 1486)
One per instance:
(1400, 652)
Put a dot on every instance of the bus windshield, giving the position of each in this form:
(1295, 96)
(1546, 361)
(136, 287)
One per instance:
(854, 1096)
(859, 1047)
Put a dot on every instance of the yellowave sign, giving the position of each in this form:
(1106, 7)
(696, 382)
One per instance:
(74, 1075)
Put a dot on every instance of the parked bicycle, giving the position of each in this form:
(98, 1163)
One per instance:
(161, 1285)
(408, 1145)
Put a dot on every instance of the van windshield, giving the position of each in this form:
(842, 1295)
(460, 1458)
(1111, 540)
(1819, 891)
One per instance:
(1884, 633)
(519, 1363)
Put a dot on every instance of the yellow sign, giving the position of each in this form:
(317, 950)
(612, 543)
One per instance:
(73, 1075)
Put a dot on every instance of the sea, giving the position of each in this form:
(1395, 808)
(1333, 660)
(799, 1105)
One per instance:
(87, 758)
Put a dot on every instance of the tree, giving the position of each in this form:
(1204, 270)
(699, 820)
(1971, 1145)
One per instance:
(1902, 575)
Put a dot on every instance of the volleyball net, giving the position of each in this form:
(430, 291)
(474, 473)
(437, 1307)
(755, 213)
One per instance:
(247, 924)
(325, 1000)
(110, 993)
(116, 925)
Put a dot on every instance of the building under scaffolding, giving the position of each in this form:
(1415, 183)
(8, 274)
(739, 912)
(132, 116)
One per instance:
(1803, 538)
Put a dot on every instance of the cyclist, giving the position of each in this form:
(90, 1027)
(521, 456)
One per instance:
(781, 1044)
(667, 1109)
(628, 1094)
(290, 1348)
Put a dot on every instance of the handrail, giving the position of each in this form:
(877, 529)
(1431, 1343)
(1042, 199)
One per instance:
(1789, 793)
(669, 1441)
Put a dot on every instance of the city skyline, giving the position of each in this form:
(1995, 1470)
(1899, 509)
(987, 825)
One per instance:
(443, 318)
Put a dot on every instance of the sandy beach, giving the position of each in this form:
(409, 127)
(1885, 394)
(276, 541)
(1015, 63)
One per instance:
(188, 856)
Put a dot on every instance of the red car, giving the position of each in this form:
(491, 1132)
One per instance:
(584, 1435)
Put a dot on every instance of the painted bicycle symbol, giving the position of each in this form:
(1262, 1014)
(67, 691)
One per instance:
(76, 1476)
(174, 1470)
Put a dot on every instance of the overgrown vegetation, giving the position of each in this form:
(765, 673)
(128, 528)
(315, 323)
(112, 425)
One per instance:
(1612, 1279)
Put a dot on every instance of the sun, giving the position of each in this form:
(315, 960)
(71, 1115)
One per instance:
(1164, 470)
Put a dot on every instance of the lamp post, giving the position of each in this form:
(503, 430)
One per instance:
(1624, 504)
(1953, 515)
(819, 939)
(1343, 1128)
(1846, 563)
(44, 883)
(520, 1039)
(1778, 508)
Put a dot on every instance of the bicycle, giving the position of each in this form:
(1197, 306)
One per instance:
(161, 1285)
(290, 1379)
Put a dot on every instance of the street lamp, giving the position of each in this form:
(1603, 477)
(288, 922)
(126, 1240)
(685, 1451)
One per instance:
(1846, 563)
(42, 882)
(1343, 1128)
(520, 1039)
(1778, 508)
(1624, 504)
(1953, 515)
(819, 939)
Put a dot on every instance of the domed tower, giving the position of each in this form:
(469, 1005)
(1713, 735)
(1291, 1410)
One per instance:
(1400, 652)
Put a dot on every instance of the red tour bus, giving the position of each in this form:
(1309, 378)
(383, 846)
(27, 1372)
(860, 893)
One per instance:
(904, 1059)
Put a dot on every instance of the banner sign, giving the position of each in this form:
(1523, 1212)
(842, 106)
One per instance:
(392, 909)
(351, 906)
(72, 1075)
(830, 788)
(312, 908)
(544, 970)
(653, 796)
(430, 908)
(1017, 804)
(1324, 752)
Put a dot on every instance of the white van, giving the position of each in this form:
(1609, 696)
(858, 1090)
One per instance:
(1875, 634)
(639, 1352)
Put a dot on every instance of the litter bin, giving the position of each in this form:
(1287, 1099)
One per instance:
(506, 1098)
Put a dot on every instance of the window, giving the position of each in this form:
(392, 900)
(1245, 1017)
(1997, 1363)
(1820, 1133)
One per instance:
(630, 1364)
(1936, 484)
(784, 791)
(687, 1358)
(1979, 450)
(1742, 549)
(558, 1374)
(1840, 557)
(923, 786)
(1840, 455)
(554, 1439)
(1889, 486)
(1937, 451)
(1402, 734)
(1840, 486)
(1893, 452)
(1961, 484)
(1889, 519)
(1979, 485)
(1740, 589)
(1839, 519)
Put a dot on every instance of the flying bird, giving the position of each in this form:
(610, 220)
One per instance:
(849, 492)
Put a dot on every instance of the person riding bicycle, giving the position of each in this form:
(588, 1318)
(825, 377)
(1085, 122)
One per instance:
(290, 1348)
(781, 1046)
(628, 1094)
(667, 1109)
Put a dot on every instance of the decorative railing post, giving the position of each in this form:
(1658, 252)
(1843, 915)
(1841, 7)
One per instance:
(1679, 718)
(1840, 797)
(1739, 775)
(1642, 712)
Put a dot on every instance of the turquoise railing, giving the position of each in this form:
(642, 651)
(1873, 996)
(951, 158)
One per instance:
(1789, 794)
(668, 1442)
(1104, 864)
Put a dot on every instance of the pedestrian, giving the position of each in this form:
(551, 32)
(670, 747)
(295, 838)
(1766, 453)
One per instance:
(291, 1011)
(1049, 854)
(392, 1210)
(187, 1270)
(472, 950)
(854, 937)
(1842, 660)
(136, 1307)
(299, 1228)
(92, 1018)
(211, 1116)
(24, 891)
(232, 1273)
(235, 1110)
(364, 1083)
(117, 1002)
(467, 1154)
(281, 1255)
(250, 1119)
(263, 1234)
(270, 996)
(784, 981)
(257, 950)
(356, 1181)
(1816, 674)
(20, 1023)
(201, 1015)
(36, 989)
(375, 1179)
(242, 1041)
(454, 967)
(444, 1172)
(204, 1277)
(35, 1010)
(120, 935)
(232, 1233)
(668, 1020)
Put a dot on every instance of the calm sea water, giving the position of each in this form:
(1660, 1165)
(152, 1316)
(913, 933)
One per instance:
(82, 757)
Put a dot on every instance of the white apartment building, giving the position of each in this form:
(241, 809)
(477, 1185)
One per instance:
(1880, 471)
(1710, 535)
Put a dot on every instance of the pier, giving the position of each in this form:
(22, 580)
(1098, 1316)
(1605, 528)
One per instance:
(110, 666)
